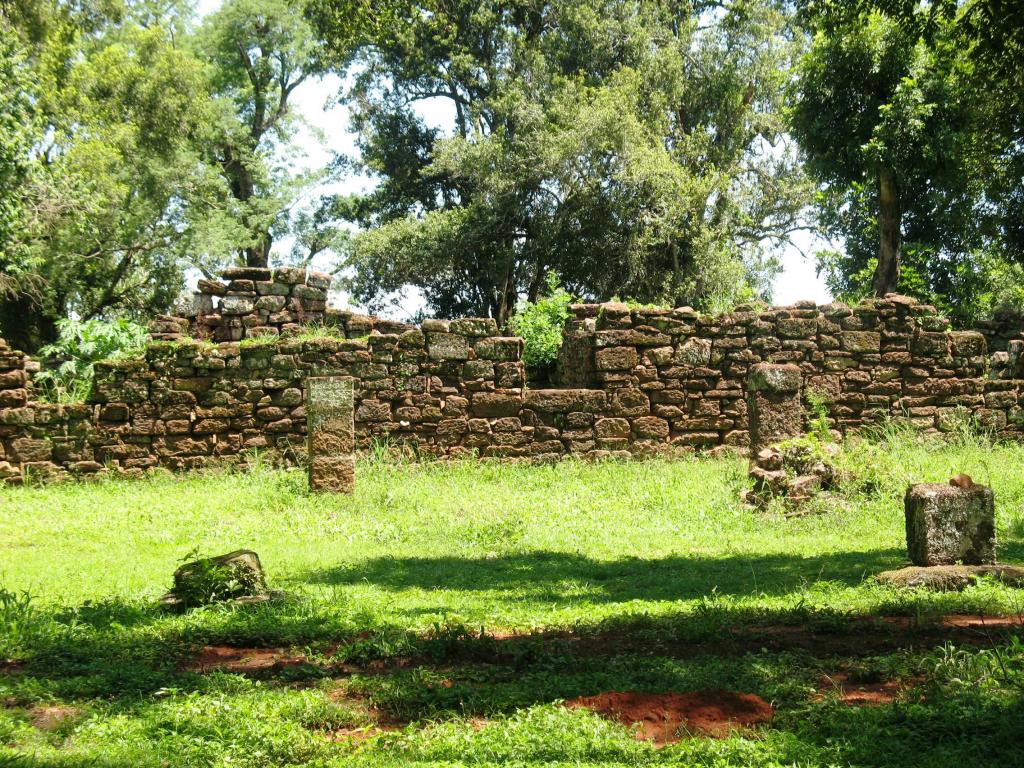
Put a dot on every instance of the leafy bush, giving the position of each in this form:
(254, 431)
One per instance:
(540, 324)
(79, 346)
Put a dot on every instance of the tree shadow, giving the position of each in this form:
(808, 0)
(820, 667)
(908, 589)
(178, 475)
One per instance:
(547, 576)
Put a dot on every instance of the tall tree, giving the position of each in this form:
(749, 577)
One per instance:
(633, 146)
(260, 52)
(112, 188)
(907, 124)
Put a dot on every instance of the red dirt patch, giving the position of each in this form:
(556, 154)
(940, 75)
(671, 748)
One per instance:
(863, 694)
(243, 660)
(665, 718)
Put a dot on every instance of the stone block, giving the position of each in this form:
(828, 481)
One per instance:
(616, 359)
(774, 404)
(447, 346)
(246, 273)
(330, 427)
(26, 449)
(860, 342)
(496, 404)
(500, 348)
(474, 326)
(767, 377)
(212, 287)
(288, 275)
(947, 524)
(566, 400)
(236, 305)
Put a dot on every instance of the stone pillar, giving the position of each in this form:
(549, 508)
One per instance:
(775, 410)
(331, 434)
(949, 524)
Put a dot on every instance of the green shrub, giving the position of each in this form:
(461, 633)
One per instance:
(80, 345)
(541, 323)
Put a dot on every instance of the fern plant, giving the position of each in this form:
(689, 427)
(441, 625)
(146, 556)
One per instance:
(69, 362)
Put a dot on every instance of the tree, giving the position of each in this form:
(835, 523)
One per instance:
(915, 145)
(260, 51)
(633, 147)
(112, 190)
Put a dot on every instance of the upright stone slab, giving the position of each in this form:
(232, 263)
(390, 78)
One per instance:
(947, 524)
(775, 410)
(331, 433)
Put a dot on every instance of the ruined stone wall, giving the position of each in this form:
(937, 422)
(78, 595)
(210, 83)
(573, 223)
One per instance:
(643, 381)
(1002, 329)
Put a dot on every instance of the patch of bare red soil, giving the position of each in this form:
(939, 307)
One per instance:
(380, 722)
(224, 658)
(665, 718)
(862, 694)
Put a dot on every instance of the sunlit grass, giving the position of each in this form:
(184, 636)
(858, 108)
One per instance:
(424, 556)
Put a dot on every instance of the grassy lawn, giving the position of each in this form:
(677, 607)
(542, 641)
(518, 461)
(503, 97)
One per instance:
(443, 613)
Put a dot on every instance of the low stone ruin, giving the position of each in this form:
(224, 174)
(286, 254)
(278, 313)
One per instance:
(249, 301)
(951, 538)
(794, 471)
(950, 523)
(236, 578)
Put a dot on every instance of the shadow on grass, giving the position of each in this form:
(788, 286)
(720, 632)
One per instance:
(122, 648)
(544, 576)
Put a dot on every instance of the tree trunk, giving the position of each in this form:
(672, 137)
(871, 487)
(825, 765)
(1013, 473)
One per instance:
(887, 273)
(243, 189)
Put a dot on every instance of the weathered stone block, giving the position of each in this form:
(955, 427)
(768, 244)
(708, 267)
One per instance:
(767, 377)
(616, 359)
(500, 348)
(26, 449)
(565, 400)
(860, 342)
(948, 524)
(496, 404)
(651, 427)
(236, 305)
(330, 429)
(474, 326)
(611, 428)
(447, 346)
(797, 327)
(288, 275)
(774, 406)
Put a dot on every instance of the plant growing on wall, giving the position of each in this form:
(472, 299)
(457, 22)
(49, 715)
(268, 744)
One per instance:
(68, 376)
(541, 322)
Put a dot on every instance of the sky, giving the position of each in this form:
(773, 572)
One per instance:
(316, 101)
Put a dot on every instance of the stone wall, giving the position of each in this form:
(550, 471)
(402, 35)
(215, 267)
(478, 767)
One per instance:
(635, 382)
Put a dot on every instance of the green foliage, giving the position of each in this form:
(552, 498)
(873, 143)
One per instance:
(900, 91)
(259, 52)
(80, 344)
(133, 147)
(208, 581)
(541, 324)
(634, 148)
(819, 403)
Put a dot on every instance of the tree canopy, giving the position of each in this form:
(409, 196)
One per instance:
(917, 147)
(636, 148)
(654, 151)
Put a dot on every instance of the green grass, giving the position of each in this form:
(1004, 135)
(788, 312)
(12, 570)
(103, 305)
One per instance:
(403, 598)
